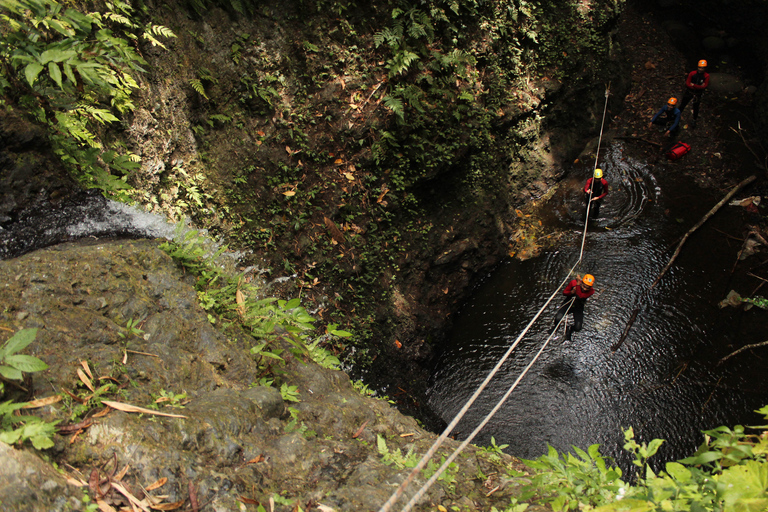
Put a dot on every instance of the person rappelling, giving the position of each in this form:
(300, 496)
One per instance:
(595, 190)
(576, 294)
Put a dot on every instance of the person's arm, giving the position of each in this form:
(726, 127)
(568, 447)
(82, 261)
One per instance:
(676, 113)
(654, 118)
(588, 186)
(569, 289)
(688, 83)
(705, 84)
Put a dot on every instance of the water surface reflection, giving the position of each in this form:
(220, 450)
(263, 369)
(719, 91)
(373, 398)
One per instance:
(663, 381)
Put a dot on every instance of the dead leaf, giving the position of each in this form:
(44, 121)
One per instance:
(384, 191)
(240, 299)
(85, 380)
(41, 402)
(336, 233)
(167, 506)
(105, 507)
(87, 369)
(650, 65)
(338, 161)
(360, 430)
(260, 133)
(76, 427)
(406, 435)
(257, 459)
(157, 484)
(248, 501)
(131, 498)
(132, 408)
(289, 193)
(349, 176)
(325, 508)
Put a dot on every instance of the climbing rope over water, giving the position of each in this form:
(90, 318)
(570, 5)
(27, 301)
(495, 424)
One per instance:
(441, 439)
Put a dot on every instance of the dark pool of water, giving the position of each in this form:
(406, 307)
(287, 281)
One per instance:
(664, 381)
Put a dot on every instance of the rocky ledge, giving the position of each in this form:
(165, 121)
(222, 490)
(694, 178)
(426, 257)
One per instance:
(228, 444)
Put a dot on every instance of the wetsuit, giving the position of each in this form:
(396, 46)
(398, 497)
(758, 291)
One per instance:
(574, 293)
(695, 84)
(668, 117)
(599, 191)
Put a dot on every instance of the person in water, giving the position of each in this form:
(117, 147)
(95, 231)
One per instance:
(598, 187)
(576, 294)
(668, 118)
(696, 83)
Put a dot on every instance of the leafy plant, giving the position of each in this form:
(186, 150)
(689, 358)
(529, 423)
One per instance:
(32, 429)
(12, 367)
(290, 393)
(13, 364)
(728, 473)
(396, 457)
(74, 72)
(572, 480)
(131, 329)
(169, 399)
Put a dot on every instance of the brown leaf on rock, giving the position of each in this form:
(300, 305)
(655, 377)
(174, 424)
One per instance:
(336, 233)
(360, 430)
(133, 408)
(157, 484)
(41, 402)
(85, 380)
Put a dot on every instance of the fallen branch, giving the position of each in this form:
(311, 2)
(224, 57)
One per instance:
(742, 349)
(704, 219)
(629, 137)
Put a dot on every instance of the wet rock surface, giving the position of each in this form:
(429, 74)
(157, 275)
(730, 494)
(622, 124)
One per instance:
(237, 444)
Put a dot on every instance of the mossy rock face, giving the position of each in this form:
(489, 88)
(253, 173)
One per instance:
(231, 439)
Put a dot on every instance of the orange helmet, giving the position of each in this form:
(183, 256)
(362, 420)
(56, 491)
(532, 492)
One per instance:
(588, 279)
(702, 63)
(672, 102)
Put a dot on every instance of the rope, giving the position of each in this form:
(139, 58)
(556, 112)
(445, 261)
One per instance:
(487, 418)
(441, 439)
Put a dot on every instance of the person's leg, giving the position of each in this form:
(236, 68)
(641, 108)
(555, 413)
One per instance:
(578, 319)
(696, 102)
(687, 95)
(596, 209)
(561, 312)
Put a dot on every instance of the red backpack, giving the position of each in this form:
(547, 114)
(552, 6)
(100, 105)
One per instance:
(679, 150)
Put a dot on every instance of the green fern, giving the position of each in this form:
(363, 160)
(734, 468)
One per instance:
(197, 85)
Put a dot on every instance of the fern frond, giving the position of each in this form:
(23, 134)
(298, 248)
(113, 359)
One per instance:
(197, 85)
(149, 37)
(162, 30)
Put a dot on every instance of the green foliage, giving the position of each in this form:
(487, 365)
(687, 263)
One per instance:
(573, 480)
(395, 457)
(494, 451)
(275, 323)
(74, 72)
(168, 399)
(290, 393)
(131, 329)
(728, 473)
(12, 364)
(32, 429)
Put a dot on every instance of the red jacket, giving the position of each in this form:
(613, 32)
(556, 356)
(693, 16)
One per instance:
(589, 185)
(573, 289)
(697, 82)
